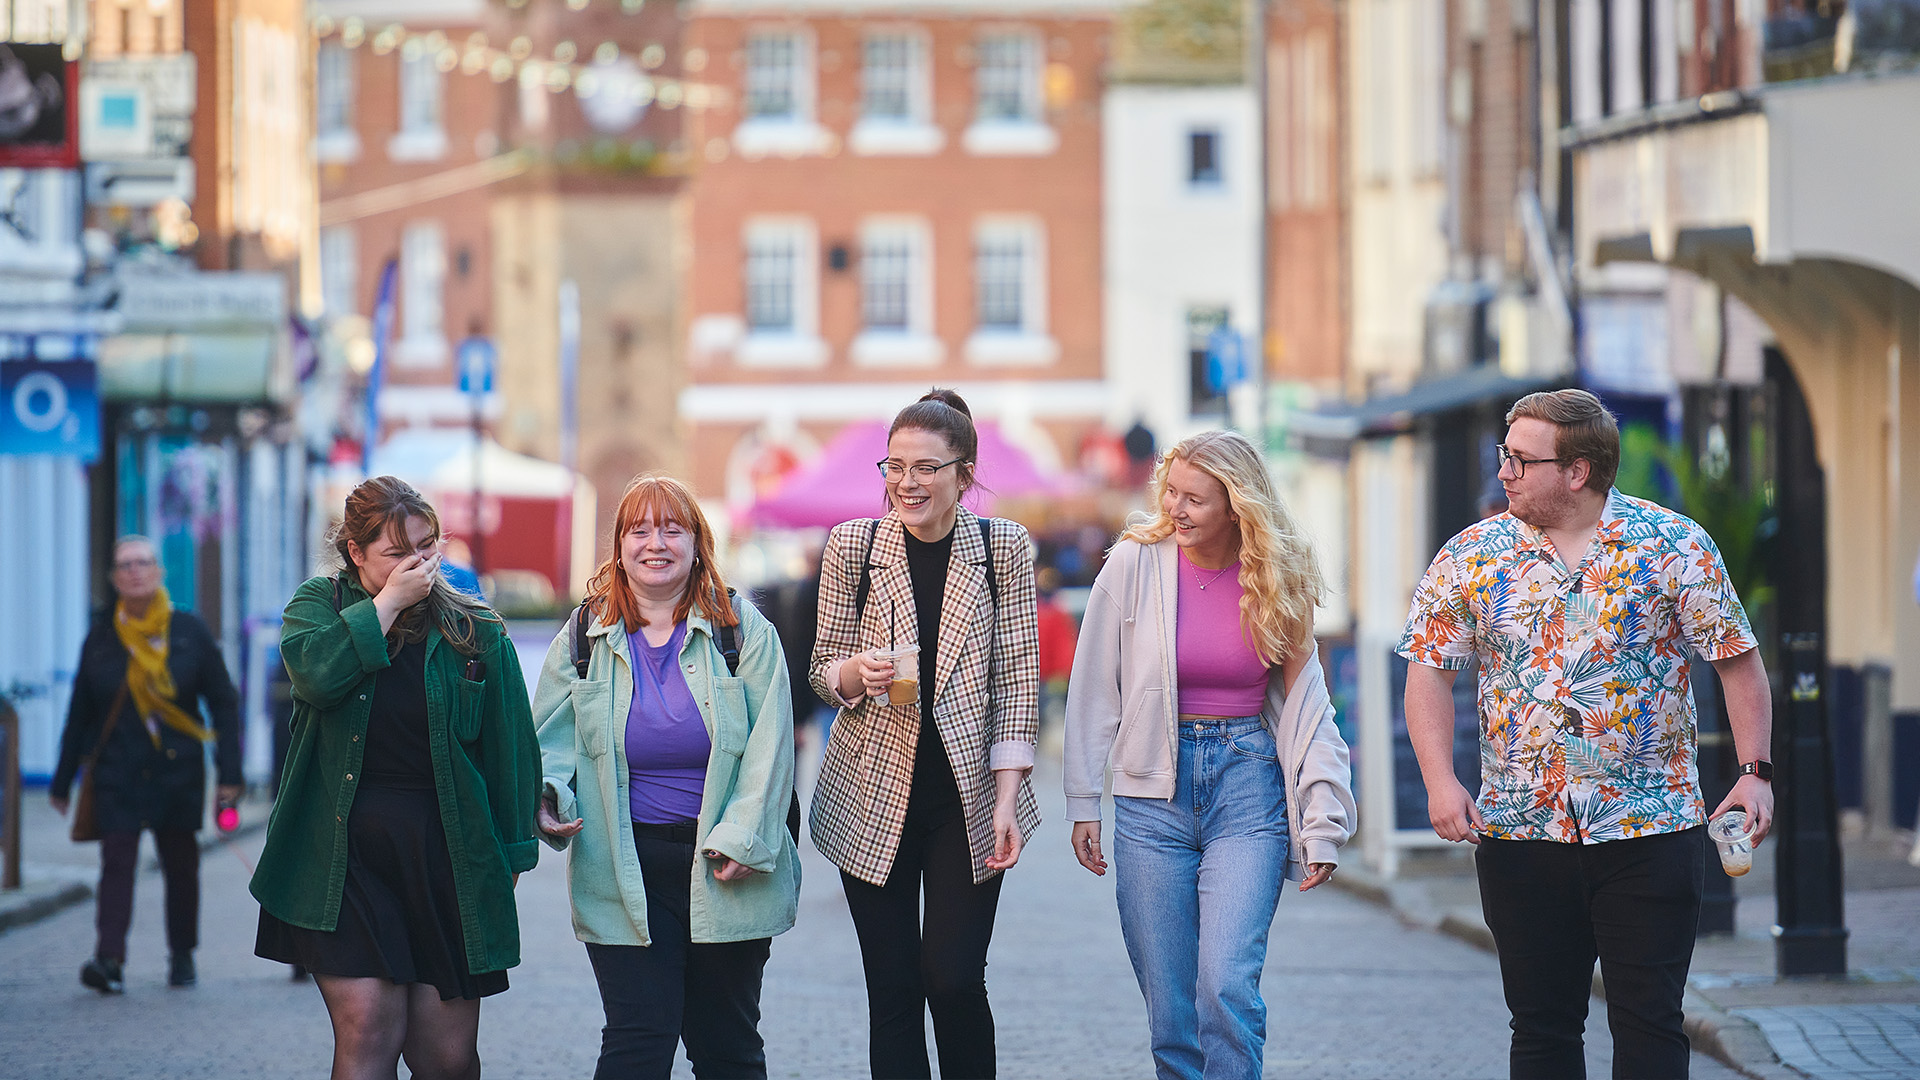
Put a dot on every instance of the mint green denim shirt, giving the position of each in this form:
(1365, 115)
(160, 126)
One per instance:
(582, 725)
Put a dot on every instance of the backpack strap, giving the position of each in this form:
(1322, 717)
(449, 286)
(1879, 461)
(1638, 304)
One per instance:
(729, 638)
(577, 649)
(986, 538)
(866, 575)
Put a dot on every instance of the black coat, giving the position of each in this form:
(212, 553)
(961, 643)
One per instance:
(139, 785)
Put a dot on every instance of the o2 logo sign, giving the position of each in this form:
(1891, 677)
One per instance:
(49, 407)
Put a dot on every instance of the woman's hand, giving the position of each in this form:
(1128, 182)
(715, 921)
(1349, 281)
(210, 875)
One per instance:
(1086, 846)
(406, 586)
(549, 821)
(1007, 840)
(865, 675)
(728, 870)
(1321, 874)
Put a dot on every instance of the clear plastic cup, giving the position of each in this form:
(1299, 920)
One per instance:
(905, 688)
(1732, 833)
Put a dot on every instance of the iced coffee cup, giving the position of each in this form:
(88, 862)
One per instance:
(1732, 833)
(905, 688)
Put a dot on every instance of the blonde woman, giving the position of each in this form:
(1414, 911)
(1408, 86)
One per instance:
(1196, 681)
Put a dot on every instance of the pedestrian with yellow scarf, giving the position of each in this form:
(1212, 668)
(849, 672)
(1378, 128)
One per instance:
(136, 715)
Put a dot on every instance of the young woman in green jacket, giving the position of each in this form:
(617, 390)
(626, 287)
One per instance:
(406, 805)
(669, 776)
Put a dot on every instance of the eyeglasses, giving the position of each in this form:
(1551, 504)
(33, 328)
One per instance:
(892, 471)
(1508, 457)
(136, 564)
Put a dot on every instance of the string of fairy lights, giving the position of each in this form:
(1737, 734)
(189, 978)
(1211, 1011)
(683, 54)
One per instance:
(565, 70)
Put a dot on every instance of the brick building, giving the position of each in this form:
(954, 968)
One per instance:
(887, 200)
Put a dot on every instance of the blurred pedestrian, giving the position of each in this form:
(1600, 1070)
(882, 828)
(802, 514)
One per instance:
(1056, 632)
(410, 723)
(792, 606)
(135, 723)
(661, 748)
(1583, 606)
(926, 778)
(1231, 784)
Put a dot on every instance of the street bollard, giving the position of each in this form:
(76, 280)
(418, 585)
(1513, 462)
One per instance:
(9, 795)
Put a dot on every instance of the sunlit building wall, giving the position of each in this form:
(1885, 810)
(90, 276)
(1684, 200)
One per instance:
(888, 198)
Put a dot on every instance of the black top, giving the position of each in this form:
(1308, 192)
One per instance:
(927, 568)
(399, 750)
(140, 783)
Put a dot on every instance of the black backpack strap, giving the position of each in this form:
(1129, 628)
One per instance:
(577, 649)
(993, 580)
(866, 576)
(729, 638)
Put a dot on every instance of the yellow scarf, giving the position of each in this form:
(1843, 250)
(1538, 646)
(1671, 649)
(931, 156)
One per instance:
(148, 680)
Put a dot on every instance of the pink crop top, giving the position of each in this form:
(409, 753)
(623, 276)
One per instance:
(1219, 673)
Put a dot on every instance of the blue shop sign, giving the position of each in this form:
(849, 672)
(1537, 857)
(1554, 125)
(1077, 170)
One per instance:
(50, 407)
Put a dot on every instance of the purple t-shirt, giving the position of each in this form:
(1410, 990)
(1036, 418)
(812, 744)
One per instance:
(1219, 673)
(667, 744)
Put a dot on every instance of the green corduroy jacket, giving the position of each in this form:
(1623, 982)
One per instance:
(486, 768)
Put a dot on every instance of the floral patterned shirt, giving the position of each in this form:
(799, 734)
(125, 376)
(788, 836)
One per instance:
(1586, 711)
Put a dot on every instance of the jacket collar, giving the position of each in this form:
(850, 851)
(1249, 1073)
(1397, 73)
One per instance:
(890, 540)
(893, 585)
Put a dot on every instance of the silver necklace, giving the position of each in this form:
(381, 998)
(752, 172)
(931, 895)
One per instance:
(1222, 572)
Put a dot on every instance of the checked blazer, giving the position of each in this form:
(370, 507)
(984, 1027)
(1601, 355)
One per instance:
(985, 720)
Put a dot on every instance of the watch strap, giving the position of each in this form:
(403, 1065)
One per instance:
(1762, 769)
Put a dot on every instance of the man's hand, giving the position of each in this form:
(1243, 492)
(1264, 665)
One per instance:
(1453, 813)
(1755, 796)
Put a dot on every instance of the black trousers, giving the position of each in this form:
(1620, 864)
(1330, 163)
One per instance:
(657, 996)
(1554, 908)
(939, 965)
(180, 868)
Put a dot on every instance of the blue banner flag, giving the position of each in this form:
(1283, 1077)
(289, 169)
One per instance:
(382, 341)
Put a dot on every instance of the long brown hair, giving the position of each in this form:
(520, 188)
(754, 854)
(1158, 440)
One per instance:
(378, 509)
(661, 499)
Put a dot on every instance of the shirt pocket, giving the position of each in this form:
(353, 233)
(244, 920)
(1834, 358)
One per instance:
(730, 716)
(469, 708)
(1138, 745)
(592, 716)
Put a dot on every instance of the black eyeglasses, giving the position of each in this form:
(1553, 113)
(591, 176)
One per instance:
(136, 564)
(1508, 457)
(892, 471)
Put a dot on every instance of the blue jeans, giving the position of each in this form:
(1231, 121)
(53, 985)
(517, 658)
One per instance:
(1198, 879)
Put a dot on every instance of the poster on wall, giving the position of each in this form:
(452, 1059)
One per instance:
(39, 111)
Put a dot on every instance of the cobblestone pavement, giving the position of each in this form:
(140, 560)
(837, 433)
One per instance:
(1843, 1042)
(1352, 992)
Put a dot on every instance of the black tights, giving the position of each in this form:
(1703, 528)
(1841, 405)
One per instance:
(943, 967)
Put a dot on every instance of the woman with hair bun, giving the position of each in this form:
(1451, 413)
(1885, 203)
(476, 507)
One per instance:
(925, 786)
(406, 806)
(1195, 680)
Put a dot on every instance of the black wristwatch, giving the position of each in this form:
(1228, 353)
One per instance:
(1762, 769)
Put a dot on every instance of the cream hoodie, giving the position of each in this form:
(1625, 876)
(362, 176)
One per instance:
(1122, 701)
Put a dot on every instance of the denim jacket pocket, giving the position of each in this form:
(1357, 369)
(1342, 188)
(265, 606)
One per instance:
(730, 723)
(592, 716)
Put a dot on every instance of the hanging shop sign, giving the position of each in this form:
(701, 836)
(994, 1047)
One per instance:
(39, 112)
(49, 407)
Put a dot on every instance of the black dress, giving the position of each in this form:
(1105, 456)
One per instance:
(399, 909)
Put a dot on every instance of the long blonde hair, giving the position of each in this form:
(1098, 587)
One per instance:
(1279, 576)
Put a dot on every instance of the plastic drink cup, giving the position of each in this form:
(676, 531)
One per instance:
(1733, 835)
(905, 688)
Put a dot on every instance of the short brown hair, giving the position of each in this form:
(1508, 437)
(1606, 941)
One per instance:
(1585, 430)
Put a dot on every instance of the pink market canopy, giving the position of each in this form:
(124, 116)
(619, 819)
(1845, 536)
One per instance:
(842, 484)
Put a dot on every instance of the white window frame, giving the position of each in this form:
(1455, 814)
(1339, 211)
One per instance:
(1426, 105)
(1379, 57)
(912, 344)
(1028, 343)
(336, 138)
(422, 135)
(423, 295)
(798, 344)
(340, 271)
(913, 133)
(1028, 132)
(796, 132)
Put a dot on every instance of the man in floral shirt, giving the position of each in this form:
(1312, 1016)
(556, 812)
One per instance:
(1583, 606)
